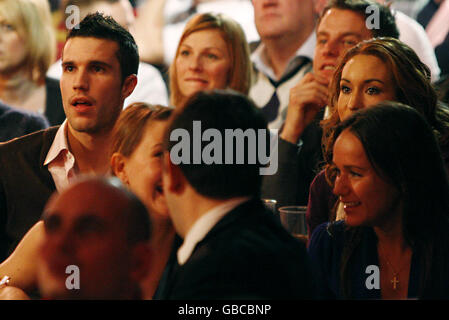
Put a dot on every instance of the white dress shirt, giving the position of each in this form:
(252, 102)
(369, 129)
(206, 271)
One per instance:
(60, 161)
(203, 225)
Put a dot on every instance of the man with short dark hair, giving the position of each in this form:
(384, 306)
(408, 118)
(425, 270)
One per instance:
(100, 61)
(233, 247)
(102, 231)
(150, 87)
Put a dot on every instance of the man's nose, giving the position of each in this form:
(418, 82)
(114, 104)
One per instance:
(81, 80)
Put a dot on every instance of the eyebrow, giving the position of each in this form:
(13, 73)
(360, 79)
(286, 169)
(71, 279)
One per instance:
(365, 81)
(345, 34)
(93, 62)
(354, 167)
(206, 48)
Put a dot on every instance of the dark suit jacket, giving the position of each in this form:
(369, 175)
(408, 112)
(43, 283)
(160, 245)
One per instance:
(25, 186)
(247, 255)
(289, 186)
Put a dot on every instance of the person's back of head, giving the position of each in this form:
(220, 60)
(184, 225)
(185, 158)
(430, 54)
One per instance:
(221, 157)
(98, 26)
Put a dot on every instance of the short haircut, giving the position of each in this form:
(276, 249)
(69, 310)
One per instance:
(131, 125)
(387, 22)
(98, 26)
(220, 110)
(32, 20)
(238, 49)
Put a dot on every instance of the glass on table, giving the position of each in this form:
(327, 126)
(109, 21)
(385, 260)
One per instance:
(293, 218)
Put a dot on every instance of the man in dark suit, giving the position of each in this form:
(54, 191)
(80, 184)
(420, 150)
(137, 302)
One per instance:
(100, 62)
(233, 247)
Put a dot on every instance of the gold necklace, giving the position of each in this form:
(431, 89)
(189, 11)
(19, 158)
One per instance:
(395, 280)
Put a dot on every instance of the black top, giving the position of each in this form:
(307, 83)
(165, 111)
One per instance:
(15, 123)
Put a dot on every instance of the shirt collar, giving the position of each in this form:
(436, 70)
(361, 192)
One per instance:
(59, 144)
(203, 225)
(260, 59)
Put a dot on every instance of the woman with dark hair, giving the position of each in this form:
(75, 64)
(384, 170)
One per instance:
(374, 71)
(385, 166)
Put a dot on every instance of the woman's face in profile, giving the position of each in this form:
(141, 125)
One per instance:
(12, 47)
(203, 62)
(365, 81)
(367, 199)
(143, 169)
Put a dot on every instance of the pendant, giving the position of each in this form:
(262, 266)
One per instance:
(395, 281)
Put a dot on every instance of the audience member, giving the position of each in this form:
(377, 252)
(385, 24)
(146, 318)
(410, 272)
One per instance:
(283, 55)
(150, 86)
(386, 167)
(136, 160)
(433, 17)
(372, 72)
(101, 229)
(233, 247)
(100, 61)
(15, 123)
(340, 27)
(414, 35)
(160, 24)
(212, 54)
(27, 50)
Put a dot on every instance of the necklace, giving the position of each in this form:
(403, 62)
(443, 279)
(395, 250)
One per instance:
(395, 279)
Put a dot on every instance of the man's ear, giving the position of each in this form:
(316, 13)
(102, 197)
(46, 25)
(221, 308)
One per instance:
(141, 261)
(128, 85)
(174, 180)
(118, 167)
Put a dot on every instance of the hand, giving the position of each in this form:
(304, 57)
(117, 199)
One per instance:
(307, 98)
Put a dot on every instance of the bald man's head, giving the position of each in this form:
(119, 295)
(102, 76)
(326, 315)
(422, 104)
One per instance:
(97, 226)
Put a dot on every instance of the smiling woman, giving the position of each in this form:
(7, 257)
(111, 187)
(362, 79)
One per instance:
(212, 54)
(386, 168)
(381, 69)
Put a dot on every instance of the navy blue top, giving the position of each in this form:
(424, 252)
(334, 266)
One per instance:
(325, 250)
(16, 123)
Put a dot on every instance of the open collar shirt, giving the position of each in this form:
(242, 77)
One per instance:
(60, 161)
(205, 224)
